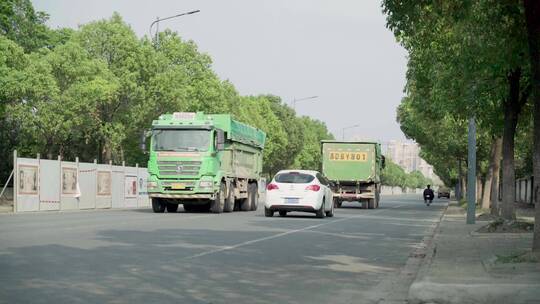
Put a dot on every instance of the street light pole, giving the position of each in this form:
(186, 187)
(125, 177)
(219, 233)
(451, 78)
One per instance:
(301, 99)
(471, 178)
(156, 22)
(349, 127)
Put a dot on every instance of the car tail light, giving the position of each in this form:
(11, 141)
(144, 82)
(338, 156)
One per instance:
(313, 188)
(272, 187)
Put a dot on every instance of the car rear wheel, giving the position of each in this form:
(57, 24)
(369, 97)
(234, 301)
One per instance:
(320, 213)
(217, 205)
(158, 206)
(331, 212)
(282, 213)
(172, 208)
(268, 212)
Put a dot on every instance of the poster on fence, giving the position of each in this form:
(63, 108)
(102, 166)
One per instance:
(28, 180)
(104, 183)
(69, 181)
(130, 186)
(142, 186)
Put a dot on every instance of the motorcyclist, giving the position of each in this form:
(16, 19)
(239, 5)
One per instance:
(428, 195)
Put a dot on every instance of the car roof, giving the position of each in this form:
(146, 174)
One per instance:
(310, 172)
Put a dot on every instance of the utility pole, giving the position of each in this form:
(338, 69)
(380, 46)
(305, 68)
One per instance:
(471, 169)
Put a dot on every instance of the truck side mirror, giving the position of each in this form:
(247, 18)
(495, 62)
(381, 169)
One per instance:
(220, 143)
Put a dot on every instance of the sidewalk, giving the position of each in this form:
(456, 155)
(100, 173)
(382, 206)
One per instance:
(460, 266)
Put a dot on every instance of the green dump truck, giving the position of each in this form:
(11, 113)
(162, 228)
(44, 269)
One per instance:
(207, 162)
(354, 169)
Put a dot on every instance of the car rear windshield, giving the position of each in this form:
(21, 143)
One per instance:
(294, 178)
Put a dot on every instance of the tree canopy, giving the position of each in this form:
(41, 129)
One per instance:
(91, 92)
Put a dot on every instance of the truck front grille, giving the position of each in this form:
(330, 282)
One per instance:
(189, 185)
(173, 168)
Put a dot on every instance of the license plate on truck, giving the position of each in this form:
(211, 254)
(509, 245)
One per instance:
(178, 186)
(292, 200)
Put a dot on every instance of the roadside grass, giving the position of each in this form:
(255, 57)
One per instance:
(499, 225)
(518, 257)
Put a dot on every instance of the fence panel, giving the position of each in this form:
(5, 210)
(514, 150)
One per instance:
(42, 185)
(87, 185)
(70, 190)
(118, 187)
(104, 186)
(131, 183)
(49, 185)
(27, 185)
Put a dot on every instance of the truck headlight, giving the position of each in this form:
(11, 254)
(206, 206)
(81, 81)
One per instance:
(206, 184)
(152, 185)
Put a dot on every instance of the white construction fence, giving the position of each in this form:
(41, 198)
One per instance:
(43, 185)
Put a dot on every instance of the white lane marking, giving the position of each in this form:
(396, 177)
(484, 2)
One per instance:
(225, 248)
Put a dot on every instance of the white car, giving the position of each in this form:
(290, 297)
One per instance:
(299, 190)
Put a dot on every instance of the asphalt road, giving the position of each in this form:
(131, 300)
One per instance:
(136, 256)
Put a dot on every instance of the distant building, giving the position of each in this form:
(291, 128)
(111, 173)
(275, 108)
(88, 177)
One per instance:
(407, 156)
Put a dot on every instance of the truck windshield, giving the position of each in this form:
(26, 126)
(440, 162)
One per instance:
(180, 140)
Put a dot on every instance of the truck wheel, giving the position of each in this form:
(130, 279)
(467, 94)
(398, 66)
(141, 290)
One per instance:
(216, 206)
(377, 199)
(282, 213)
(365, 204)
(204, 207)
(254, 196)
(158, 206)
(245, 203)
(268, 212)
(229, 201)
(337, 203)
(320, 212)
(188, 207)
(371, 203)
(172, 208)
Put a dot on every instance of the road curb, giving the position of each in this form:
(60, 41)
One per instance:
(425, 291)
(415, 290)
(469, 290)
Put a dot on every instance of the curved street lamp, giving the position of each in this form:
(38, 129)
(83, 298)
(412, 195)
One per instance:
(302, 99)
(156, 22)
(349, 127)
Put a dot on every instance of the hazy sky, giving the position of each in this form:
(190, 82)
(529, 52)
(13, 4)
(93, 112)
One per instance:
(339, 50)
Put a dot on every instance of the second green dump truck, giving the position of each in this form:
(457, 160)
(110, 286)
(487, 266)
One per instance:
(354, 168)
(207, 162)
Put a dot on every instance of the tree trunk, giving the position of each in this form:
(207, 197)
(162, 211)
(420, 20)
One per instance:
(479, 189)
(463, 186)
(496, 162)
(459, 188)
(106, 153)
(511, 113)
(487, 191)
(532, 15)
